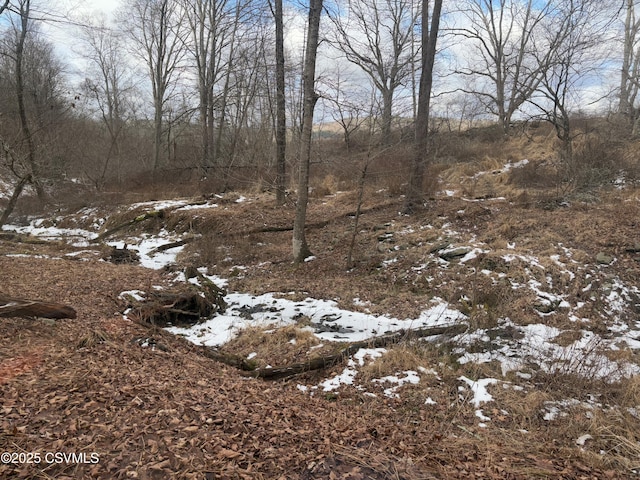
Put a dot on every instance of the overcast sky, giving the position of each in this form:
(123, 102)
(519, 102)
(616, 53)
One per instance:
(65, 38)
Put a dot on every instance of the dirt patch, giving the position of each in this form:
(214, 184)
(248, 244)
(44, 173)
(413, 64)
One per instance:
(12, 367)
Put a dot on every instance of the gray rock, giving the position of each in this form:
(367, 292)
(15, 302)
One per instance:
(604, 258)
(454, 253)
(382, 248)
(634, 249)
(545, 306)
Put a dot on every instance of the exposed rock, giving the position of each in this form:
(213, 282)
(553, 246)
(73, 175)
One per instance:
(382, 248)
(604, 258)
(439, 246)
(545, 306)
(454, 253)
(190, 272)
(634, 249)
(386, 237)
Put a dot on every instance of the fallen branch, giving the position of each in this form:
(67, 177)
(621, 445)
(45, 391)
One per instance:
(327, 361)
(228, 359)
(184, 307)
(22, 238)
(138, 219)
(169, 246)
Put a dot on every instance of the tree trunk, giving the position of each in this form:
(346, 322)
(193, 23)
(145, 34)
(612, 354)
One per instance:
(625, 108)
(300, 247)
(203, 13)
(225, 91)
(24, 122)
(429, 40)
(157, 136)
(387, 109)
(281, 120)
(14, 199)
(159, 89)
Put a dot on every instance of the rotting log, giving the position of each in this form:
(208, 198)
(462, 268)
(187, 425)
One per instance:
(319, 363)
(26, 238)
(18, 307)
(169, 246)
(228, 359)
(138, 219)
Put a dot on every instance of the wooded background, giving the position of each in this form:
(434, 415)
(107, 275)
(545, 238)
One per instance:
(186, 91)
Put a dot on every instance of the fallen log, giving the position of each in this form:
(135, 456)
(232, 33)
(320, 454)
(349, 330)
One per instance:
(18, 307)
(169, 246)
(317, 363)
(26, 238)
(138, 219)
(236, 361)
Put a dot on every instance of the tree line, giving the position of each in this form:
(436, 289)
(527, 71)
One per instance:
(211, 86)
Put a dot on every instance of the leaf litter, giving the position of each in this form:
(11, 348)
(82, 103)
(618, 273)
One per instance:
(136, 396)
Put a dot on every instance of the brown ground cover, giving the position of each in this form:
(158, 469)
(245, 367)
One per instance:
(97, 384)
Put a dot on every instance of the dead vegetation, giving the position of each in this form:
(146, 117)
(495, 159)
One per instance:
(154, 406)
(181, 306)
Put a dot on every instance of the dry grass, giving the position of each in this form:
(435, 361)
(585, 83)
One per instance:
(399, 358)
(567, 337)
(278, 346)
(327, 185)
(398, 275)
(615, 429)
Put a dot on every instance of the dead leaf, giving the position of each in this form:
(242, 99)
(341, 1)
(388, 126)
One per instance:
(229, 454)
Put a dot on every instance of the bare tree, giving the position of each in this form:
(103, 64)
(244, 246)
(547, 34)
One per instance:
(630, 71)
(429, 41)
(569, 56)
(31, 103)
(244, 85)
(213, 26)
(24, 9)
(16, 51)
(347, 106)
(281, 107)
(502, 32)
(155, 28)
(13, 163)
(243, 34)
(107, 87)
(310, 97)
(377, 36)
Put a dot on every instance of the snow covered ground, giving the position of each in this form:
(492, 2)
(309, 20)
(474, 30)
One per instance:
(527, 347)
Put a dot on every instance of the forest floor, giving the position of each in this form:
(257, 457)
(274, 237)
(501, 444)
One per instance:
(542, 384)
